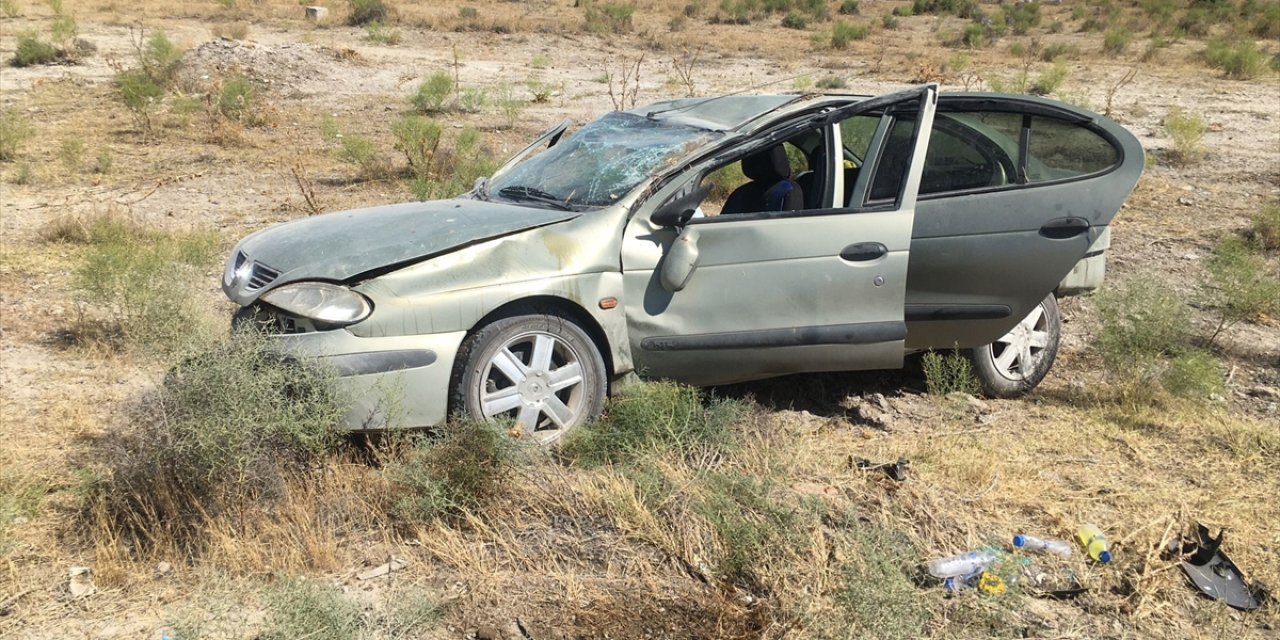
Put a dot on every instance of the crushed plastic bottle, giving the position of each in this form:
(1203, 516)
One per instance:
(1094, 542)
(965, 564)
(1048, 545)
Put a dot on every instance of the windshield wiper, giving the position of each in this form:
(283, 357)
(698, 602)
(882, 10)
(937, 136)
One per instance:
(533, 194)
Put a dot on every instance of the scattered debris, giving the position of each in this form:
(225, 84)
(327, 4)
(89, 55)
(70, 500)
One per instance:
(1048, 545)
(80, 583)
(163, 568)
(1094, 543)
(895, 470)
(1213, 573)
(396, 563)
(315, 14)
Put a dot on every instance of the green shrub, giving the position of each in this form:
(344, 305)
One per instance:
(103, 162)
(904, 11)
(15, 130)
(795, 20)
(889, 21)
(457, 470)
(948, 373)
(25, 174)
(468, 13)
(1242, 286)
(226, 429)
(142, 280)
(160, 59)
(31, 50)
(754, 526)
(433, 93)
(1241, 59)
(1050, 80)
(418, 138)
(1186, 130)
(381, 34)
(237, 100)
(1266, 227)
(652, 418)
(1194, 374)
(832, 82)
(609, 17)
(876, 597)
(140, 94)
(1142, 322)
(1021, 17)
(848, 8)
(1116, 40)
(71, 154)
(363, 153)
(9, 8)
(63, 31)
(843, 33)
(974, 36)
(365, 11)
(1056, 51)
(1268, 21)
(299, 608)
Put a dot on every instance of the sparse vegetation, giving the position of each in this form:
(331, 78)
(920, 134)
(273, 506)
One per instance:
(848, 8)
(453, 472)
(1242, 285)
(139, 279)
(653, 418)
(1239, 59)
(300, 608)
(433, 94)
(71, 154)
(947, 373)
(364, 12)
(31, 50)
(1116, 40)
(1186, 130)
(1266, 227)
(844, 33)
(15, 130)
(609, 17)
(211, 440)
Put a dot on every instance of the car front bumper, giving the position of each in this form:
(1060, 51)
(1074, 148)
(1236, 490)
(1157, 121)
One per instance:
(389, 382)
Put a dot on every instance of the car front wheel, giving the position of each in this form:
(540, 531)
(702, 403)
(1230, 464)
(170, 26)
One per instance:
(542, 372)
(1017, 362)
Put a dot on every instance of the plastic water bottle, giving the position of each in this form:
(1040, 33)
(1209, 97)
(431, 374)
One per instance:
(965, 564)
(1095, 542)
(1048, 545)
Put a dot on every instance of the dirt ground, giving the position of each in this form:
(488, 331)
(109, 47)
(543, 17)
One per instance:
(1045, 462)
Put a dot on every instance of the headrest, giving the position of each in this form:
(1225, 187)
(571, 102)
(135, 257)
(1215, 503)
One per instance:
(769, 165)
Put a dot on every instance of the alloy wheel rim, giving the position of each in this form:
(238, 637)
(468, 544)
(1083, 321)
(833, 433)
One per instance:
(1017, 353)
(536, 379)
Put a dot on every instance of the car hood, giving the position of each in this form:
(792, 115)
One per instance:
(345, 245)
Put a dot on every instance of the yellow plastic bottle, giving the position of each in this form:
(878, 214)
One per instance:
(1095, 542)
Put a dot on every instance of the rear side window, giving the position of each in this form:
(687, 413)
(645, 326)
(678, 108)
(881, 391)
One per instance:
(1058, 150)
(990, 149)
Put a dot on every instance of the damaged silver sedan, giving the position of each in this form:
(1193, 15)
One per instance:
(708, 241)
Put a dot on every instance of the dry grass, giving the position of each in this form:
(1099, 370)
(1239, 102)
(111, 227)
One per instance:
(769, 538)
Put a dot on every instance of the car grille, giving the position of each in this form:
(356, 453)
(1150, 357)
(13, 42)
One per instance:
(260, 275)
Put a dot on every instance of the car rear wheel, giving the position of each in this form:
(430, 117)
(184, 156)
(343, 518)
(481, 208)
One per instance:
(1017, 362)
(542, 372)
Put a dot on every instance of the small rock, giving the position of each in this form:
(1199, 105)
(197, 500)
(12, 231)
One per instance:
(985, 419)
(1186, 202)
(316, 14)
(880, 401)
(163, 568)
(972, 402)
(80, 583)
(1262, 391)
(21, 520)
(488, 632)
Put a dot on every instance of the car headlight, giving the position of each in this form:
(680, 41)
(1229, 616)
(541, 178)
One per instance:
(321, 301)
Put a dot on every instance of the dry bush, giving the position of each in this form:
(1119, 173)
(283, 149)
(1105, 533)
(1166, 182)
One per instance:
(1187, 132)
(458, 470)
(1265, 230)
(15, 130)
(1242, 285)
(228, 432)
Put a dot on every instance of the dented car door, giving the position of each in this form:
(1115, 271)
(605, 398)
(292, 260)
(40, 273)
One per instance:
(758, 294)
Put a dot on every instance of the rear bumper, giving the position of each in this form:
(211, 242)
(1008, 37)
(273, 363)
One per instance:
(392, 382)
(1091, 270)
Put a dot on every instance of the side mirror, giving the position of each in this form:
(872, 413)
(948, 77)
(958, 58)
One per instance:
(672, 217)
(680, 210)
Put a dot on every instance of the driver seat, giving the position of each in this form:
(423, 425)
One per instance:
(771, 187)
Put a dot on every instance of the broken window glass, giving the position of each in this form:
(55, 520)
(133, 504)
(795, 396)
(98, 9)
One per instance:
(602, 161)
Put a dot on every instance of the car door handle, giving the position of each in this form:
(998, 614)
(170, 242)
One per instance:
(1063, 228)
(863, 252)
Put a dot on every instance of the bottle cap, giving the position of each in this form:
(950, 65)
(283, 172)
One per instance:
(1105, 556)
(1019, 540)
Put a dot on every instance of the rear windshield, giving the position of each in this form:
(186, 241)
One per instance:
(604, 160)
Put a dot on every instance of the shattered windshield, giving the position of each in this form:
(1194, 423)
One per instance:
(599, 163)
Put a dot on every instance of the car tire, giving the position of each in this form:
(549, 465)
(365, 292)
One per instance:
(1017, 362)
(541, 371)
